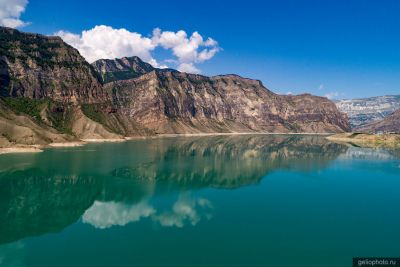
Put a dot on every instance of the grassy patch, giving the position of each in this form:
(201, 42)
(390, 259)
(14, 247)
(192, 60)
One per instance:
(26, 106)
(98, 113)
(94, 112)
(60, 116)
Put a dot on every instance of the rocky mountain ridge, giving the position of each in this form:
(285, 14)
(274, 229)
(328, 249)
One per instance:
(390, 124)
(46, 83)
(165, 101)
(367, 110)
(37, 67)
(121, 68)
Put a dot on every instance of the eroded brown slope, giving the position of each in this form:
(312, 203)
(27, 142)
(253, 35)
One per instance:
(390, 124)
(174, 102)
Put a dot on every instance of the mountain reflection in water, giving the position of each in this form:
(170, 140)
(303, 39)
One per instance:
(113, 184)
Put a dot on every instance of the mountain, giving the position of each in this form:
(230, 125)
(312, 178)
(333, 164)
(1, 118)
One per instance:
(390, 124)
(121, 69)
(49, 93)
(37, 67)
(365, 110)
(165, 101)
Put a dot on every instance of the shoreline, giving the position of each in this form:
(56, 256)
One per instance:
(220, 134)
(367, 140)
(67, 144)
(39, 148)
(19, 150)
(105, 140)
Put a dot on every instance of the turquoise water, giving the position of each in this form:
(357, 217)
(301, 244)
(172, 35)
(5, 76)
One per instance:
(200, 201)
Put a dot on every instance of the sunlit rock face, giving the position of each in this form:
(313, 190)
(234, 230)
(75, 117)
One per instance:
(115, 185)
(165, 101)
(121, 68)
(38, 66)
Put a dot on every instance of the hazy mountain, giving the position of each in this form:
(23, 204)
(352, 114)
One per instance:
(389, 124)
(366, 110)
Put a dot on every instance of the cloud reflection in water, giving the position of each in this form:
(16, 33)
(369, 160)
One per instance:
(186, 210)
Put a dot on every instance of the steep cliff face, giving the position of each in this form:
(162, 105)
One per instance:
(390, 124)
(165, 101)
(121, 68)
(37, 66)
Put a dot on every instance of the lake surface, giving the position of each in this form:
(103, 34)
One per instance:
(200, 201)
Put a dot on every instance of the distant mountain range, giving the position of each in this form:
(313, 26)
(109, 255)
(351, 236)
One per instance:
(364, 111)
(390, 124)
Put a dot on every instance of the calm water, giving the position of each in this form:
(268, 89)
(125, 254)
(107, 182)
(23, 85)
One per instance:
(201, 201)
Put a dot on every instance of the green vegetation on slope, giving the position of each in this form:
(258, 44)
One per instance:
(93, 112)
(58, 114)
(100, 114)
(26, 106)
(60, 117)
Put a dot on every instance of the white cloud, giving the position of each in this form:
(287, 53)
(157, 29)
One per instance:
(104, 215)
(107, 42)
(188, 50)
(10, 13)
(321, 86)
(188, 67)
(332, 95)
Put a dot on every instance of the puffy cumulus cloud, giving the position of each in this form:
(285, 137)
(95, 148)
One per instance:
(104, 215)
(107, 42)
(104, 42)
(188, 50)
(10, 13)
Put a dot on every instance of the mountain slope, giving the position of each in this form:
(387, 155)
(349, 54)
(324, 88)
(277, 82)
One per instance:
(21, 129)
(388, 125)
(121, 68)
(37, 66)
(365, 110)
(165, 101)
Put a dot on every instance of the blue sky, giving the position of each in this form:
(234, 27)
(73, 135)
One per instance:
(344, 49)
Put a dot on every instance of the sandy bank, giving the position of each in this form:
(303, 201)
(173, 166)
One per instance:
(11, 150)
(104, 140)
(68, 144)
